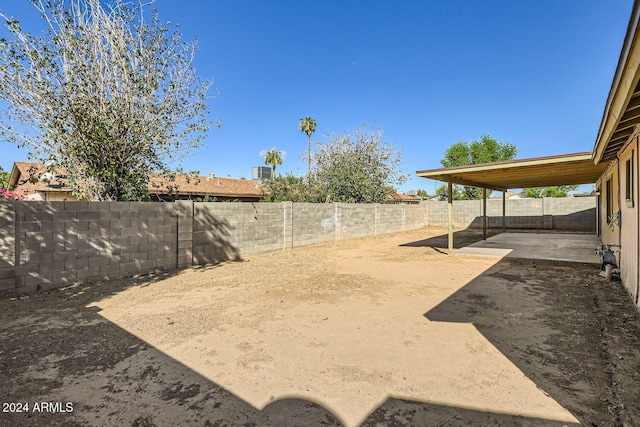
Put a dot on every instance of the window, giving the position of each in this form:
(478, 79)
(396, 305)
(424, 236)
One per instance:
(609, 198)
(628, 188)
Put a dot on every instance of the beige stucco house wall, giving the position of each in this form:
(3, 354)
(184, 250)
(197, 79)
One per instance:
(628, 182)
(619, 213)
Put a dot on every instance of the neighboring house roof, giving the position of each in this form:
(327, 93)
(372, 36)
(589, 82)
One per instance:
(199, 186)
(28, 178)
(206, 186)
(591, 193)
(393, 197)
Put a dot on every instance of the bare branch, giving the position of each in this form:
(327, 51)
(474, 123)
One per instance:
(108, 93)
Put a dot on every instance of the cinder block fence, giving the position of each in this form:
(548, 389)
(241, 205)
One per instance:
(51, 244)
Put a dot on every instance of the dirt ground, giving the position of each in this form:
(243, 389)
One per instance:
(384, 331)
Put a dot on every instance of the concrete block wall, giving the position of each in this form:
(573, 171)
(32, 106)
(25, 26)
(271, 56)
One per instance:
(390, 219)
(415, 216)
(576, 213)
(185, 218)
(230, 231)
(566, 214)
(358, 220)
(520, 214)
(437, 215)
(259, 227)
(568, 206)
(313, 223)
(7, 244)
(465, 212)
(525, 213)
(61, 243)
(287, 230)
(51, 244)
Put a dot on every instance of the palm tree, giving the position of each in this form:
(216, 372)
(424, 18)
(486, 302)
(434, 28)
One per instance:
(273, 157)
(308, 126)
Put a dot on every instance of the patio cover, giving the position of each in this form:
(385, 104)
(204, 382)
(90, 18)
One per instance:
(564, 169)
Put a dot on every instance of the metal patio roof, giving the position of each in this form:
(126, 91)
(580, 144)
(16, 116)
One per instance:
(565, 169)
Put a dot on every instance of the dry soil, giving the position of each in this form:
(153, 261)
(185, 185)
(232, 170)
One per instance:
(384, 331)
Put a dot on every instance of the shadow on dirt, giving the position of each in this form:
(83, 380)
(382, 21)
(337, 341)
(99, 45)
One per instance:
(56, 347)
(396, 412)
(570, 331)
(461, 238)
(111, 377)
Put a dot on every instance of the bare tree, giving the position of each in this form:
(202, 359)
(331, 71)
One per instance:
(108, 93)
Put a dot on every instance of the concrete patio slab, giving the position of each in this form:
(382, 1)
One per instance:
(553, 247)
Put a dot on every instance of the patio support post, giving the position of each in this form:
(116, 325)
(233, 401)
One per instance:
(450, 214)
(484, 213)
(504, 217)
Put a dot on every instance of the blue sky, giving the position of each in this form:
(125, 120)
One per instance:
(429, 73)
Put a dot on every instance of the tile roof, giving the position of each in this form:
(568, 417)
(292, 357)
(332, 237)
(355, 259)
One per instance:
(158, 184)
(205, 186)
(393, 197)
(22, 173)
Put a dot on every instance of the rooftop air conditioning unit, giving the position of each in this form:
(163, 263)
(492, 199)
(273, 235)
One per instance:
(46, 177)
(259, 173)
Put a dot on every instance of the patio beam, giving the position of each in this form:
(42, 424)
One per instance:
(469, 183)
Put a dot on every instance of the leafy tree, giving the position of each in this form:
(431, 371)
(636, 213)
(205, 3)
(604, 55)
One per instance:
(273, 157)
(308, 126)
(293, 189)
(554, 191)
(108, 94)
(485, 150)
(4, 179)
(456, 192)
(422, 193)
(358, 166)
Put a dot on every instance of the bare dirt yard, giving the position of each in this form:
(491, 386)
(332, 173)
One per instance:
(383, 331)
